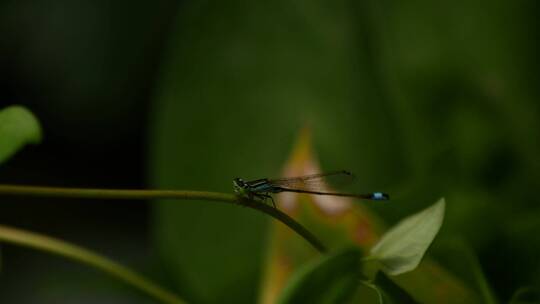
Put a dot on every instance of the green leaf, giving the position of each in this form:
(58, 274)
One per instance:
(18, 127)
(330, 279)
(401, 248)
(389, 292)
(526, 295)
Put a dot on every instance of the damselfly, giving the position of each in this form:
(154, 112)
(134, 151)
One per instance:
(311, 184)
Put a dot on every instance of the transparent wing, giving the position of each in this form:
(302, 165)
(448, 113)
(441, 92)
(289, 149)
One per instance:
(315, 181)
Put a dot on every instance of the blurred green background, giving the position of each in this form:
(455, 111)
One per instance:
(420, 99)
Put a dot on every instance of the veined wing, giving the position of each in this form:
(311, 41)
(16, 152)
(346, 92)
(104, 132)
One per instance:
(314, 181)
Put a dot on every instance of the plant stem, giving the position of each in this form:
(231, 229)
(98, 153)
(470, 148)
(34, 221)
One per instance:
(74, 252)
(162, 194)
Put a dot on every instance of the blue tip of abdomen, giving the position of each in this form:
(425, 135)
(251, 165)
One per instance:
(379, 196)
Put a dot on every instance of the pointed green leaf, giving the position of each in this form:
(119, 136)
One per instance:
(18, 127)
(330, 279)
(401, 248)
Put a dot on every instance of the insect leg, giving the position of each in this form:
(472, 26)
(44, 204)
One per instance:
(273, 203)
(266, 195)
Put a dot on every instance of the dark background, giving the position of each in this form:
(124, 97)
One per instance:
(87, 70)
(423, 99)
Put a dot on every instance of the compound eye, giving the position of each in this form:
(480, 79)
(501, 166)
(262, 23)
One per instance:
(239, 182)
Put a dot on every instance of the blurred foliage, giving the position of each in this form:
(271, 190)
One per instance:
(420, 99)
(525, 295)
(18, 127)
(330, 279)
(455, 255)
(423, 99)
(341, 221)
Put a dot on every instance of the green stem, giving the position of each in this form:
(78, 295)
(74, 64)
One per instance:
(74, 252)
(163, 194)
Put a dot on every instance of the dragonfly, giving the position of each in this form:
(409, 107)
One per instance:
(310, 184)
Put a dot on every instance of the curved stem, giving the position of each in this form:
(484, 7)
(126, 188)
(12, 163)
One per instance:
(285, 219)
(162, 194)
(74, 252)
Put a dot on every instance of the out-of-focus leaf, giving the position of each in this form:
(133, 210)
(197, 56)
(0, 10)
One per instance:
(338, 223)
(401, 248)
(330, 279)
(454, 74)
(18, 127)
(233, 93)
(389, 292)
(526, 295)
(459, 258)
